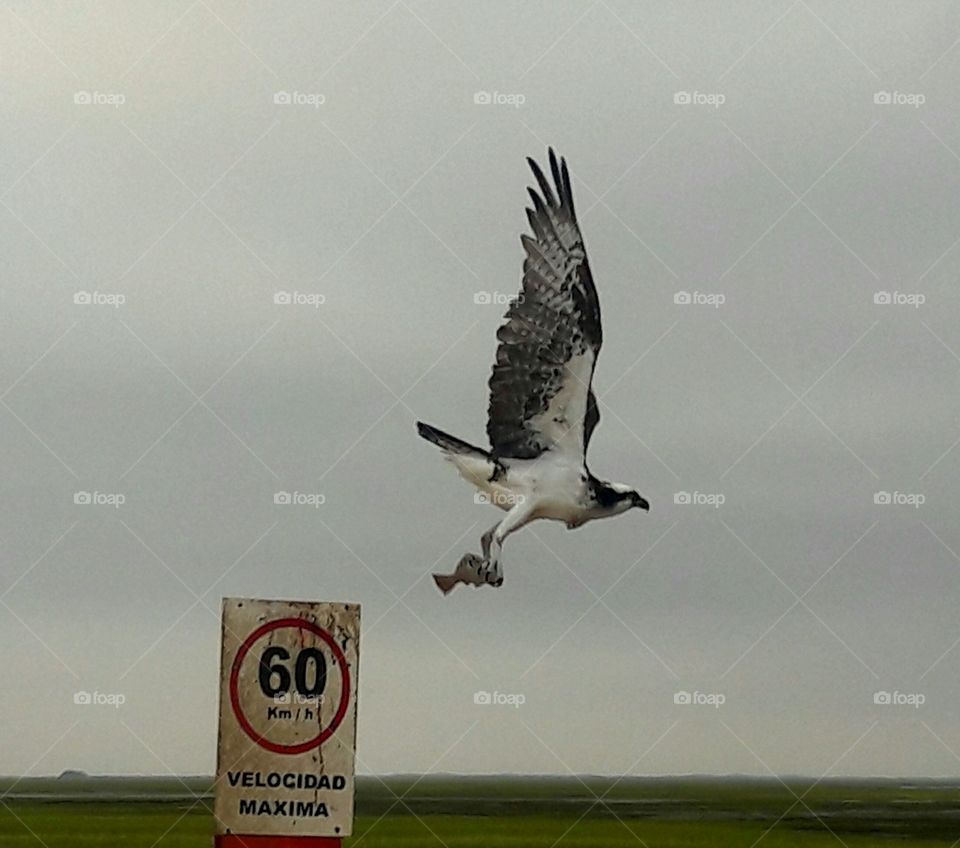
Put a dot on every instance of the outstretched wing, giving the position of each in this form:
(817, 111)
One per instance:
(540, 396)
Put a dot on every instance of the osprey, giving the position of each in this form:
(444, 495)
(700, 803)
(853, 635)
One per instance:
(542, 409)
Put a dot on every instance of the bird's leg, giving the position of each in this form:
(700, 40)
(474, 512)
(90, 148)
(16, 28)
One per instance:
(492, 541)
(486, 539)
(490, 570)
(476, 571)
(471, 570)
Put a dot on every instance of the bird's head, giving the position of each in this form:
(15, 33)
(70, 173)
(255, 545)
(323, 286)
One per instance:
(618, 497)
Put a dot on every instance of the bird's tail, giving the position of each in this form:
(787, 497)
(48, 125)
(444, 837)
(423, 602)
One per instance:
(449, 443)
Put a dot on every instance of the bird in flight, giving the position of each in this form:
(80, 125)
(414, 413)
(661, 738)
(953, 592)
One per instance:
(542, 409)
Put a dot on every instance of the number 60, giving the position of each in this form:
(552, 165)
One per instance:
(271, 665)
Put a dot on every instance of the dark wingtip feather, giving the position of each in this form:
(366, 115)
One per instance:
(543, 183)
(567, 188)
(561, 179)
(528, 243)
(555, 170)
(534, 220)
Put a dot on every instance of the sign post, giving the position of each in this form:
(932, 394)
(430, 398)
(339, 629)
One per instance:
(288, 717)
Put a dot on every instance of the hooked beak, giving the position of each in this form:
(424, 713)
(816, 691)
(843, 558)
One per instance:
(642, 503)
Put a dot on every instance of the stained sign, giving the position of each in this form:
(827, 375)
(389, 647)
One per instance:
(288, 714)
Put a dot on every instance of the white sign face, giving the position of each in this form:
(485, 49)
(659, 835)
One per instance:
(288, 718)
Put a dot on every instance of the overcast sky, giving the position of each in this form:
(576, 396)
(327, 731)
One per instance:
(790, 169)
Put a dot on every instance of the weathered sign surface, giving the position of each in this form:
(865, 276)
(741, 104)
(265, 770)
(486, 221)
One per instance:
(288, 713)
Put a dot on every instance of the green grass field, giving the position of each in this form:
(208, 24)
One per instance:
(509, 811)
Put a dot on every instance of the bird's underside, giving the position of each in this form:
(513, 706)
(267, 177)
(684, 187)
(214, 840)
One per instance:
(527, 490)
(542, 411)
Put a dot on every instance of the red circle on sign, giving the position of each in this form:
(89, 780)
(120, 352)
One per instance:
(248, 728)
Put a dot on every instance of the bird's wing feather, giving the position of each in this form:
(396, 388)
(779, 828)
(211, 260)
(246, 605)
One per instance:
(540, 396)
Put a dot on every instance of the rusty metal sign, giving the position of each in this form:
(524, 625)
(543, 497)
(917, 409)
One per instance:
(288, 714)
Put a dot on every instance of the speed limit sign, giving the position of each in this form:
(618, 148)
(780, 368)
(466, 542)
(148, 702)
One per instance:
(288, 710)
